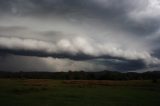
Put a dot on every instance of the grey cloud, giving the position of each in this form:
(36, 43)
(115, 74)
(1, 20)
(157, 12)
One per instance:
(28, 33)
(22, 63)
(82, 30)
(122, 64)
(78, 48)
(112, 13)
(27, 63)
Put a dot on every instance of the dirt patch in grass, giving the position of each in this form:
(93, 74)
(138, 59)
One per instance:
(109, 82)
(36, 83)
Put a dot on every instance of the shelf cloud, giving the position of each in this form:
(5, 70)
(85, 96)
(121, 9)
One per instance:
(106, 34)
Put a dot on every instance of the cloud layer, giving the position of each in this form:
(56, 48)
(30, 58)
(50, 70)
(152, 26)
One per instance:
(76, 48)
(115, 35)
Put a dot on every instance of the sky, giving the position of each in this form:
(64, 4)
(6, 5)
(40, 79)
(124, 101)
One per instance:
(89, 35)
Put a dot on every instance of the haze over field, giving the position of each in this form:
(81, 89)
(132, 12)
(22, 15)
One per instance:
(90, 35)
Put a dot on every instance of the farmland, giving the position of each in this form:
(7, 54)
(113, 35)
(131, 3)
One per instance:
(47, 92)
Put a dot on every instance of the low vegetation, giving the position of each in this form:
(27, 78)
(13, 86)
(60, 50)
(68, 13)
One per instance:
(49, 92)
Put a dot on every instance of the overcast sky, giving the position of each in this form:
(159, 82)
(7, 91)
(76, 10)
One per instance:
(90, 35)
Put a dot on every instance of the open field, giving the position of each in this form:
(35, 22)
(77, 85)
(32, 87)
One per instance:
(45, 92)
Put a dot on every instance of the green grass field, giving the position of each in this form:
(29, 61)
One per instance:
(39, 92)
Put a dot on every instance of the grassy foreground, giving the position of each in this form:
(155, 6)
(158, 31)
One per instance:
(41, 92)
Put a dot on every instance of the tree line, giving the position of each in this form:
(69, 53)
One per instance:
(82, 75)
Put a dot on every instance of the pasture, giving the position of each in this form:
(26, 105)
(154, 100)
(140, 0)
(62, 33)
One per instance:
(47, 92)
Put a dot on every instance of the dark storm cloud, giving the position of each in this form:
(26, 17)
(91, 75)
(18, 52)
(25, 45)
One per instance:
(44, 54)
(109, 11)
(29, 63)
(124, 65)
(72, 29)
(156, 52)
(21, 63)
